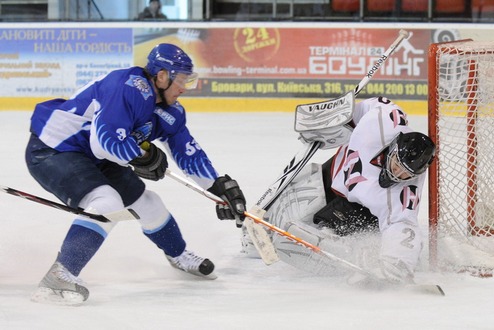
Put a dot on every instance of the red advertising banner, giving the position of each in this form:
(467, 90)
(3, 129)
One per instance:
(251, 66)
(298, 62)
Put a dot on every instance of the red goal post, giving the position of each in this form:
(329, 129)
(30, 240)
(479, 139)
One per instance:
(461, 179)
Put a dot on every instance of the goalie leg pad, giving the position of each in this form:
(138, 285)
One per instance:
(307, 260)
(300, 200)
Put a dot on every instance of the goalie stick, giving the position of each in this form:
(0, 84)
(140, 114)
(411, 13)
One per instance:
(122, 215)
(376, 281)
(301, 159)
(289, 173)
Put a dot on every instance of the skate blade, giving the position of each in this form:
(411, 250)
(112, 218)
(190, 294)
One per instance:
(195, 275)
(211, 276)
(57, 297)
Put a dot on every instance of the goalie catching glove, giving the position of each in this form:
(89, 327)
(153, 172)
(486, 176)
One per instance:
(152, 165)
(228, 189)
(327, 122)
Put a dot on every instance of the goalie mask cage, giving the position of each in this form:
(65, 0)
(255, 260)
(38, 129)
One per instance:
(461, 179)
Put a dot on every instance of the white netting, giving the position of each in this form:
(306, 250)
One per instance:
(465, 158)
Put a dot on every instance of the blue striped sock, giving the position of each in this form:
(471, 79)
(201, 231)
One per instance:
(168, 238)
(79, 246)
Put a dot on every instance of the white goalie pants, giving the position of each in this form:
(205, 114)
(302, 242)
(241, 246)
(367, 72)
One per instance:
(293, 212)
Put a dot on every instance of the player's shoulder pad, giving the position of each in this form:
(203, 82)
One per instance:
(137, 81)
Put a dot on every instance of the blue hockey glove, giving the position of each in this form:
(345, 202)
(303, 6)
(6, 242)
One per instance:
(152, 165)
(228, 189)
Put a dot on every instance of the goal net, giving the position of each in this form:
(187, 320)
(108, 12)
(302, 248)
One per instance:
(461, 179)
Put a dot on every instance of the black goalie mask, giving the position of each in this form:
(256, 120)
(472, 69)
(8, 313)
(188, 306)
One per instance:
(408, 156)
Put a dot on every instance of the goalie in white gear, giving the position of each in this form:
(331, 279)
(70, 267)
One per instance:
(370, 189)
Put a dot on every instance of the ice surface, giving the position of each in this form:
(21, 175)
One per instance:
(132, 286)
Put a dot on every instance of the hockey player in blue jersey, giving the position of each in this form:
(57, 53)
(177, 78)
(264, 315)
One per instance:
(80, 150)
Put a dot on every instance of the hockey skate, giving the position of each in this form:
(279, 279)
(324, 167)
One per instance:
(60, 287)
(193, 264)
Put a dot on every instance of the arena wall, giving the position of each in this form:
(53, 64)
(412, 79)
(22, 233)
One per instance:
(243, 66)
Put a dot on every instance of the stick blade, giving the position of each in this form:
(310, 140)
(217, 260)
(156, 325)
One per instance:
(433, 289)
(122, 215)
(262, 242)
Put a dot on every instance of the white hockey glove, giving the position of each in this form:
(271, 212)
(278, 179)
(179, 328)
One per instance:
(228, 189)
(389, 272)
(326, 122)
(395, 271)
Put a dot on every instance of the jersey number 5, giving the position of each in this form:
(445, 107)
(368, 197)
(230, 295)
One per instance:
(191, 147)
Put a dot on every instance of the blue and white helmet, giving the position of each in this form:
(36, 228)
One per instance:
(174, 60)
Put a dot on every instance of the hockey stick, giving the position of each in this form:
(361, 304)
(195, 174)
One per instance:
(302, 158)
(402, 36)
(375, 280)
(122, 215)
(266, 224)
